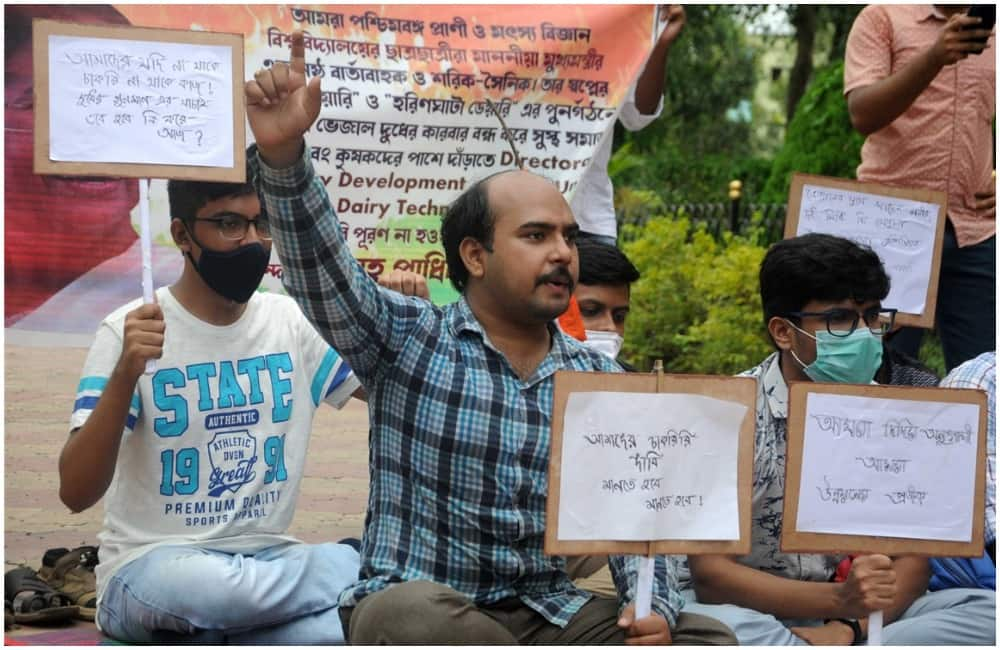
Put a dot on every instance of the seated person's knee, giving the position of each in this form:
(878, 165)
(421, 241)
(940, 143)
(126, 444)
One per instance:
(412, 612)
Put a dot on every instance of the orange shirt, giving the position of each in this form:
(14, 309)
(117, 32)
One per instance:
(571, 321)
(943, 141)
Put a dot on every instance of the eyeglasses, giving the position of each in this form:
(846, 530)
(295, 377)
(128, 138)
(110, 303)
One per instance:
(842, 322)
(235, 226)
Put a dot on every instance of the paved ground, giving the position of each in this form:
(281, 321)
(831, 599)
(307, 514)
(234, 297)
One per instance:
(40, 389)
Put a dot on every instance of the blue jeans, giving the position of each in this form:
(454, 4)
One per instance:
(285, 594)
(946, 617)
(966, 303)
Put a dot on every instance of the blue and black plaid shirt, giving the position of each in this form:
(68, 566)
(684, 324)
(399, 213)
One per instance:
(981, 373)
(459, 447)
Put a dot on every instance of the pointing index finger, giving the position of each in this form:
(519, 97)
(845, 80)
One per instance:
(298, 60)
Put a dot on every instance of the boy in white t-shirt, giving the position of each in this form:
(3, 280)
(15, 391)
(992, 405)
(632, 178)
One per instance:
(200, 463)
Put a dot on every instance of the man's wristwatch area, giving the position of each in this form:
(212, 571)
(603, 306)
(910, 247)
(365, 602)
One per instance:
(855, 627)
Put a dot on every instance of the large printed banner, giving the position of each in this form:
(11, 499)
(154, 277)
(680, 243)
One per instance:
(406, 126)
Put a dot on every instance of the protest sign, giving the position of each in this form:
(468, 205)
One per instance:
(885, 469)
(404, 128)
(650, 464)
(128, 101)
(905, 227)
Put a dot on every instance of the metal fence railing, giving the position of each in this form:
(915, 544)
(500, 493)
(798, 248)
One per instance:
(731, 216)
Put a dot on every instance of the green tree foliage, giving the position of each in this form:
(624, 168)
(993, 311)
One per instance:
(636, 205)
(812, 24)
(820, 138)
(697, 304)
(693, 150)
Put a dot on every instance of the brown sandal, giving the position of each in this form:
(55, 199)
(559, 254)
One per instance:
(69, 573)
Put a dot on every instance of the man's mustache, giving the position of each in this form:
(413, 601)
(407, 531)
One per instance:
(560, 275)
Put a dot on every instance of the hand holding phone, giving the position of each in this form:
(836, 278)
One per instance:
(960, 37)
(988, 17)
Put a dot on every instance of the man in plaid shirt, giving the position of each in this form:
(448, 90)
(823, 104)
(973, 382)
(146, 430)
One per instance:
(459, 402)
(981, 373)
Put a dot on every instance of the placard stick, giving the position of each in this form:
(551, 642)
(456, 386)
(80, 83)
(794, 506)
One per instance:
(147, 254)
(647, 564)
(644, 587)
(875, 628)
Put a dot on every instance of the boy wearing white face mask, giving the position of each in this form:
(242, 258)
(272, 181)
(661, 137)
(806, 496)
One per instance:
(821, 297)
(603, 293)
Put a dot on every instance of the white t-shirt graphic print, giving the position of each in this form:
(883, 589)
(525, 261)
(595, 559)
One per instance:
(216, 439)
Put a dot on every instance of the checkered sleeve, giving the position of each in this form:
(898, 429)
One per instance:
(981, 373)
(366, 326)
(667, 600)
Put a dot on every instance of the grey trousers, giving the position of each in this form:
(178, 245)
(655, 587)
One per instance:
(427, 613)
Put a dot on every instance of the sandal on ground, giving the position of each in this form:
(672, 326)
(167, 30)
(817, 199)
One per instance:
(8, 615)
(69, 574)
(50, 556)
(88, 556)
(33, 601)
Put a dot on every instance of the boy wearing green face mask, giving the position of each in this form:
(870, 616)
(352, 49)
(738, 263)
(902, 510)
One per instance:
(822, 302)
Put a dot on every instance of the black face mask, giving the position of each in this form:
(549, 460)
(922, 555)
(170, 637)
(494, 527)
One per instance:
(236, 274)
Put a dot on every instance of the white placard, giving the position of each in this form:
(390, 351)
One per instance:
(152, 102)
(888, 468)
(649, 466)
(901, 231)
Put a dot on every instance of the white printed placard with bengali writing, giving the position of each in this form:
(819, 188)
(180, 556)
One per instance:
(902, 232)
(142, 102)
(888, 467)
(649, 466)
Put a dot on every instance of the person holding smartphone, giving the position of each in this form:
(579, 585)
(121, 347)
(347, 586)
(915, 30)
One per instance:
(920, 82)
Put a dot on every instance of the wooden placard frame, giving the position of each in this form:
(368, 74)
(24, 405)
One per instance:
(739, 389)
(940, 199)
(795, 541)
(43, 28)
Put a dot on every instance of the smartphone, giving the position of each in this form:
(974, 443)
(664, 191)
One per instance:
(988, 14)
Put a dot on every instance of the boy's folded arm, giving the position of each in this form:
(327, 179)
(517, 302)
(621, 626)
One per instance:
(88, 459)
(720, 579)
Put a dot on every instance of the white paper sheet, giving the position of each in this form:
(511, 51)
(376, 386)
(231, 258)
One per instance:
(649, 466)
(891, 468)
(901, 231)
(127, 101)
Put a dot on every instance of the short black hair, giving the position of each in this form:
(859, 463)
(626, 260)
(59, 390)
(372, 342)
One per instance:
(819, 267)
(603, 263)
(470, 215)
(187, 197)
